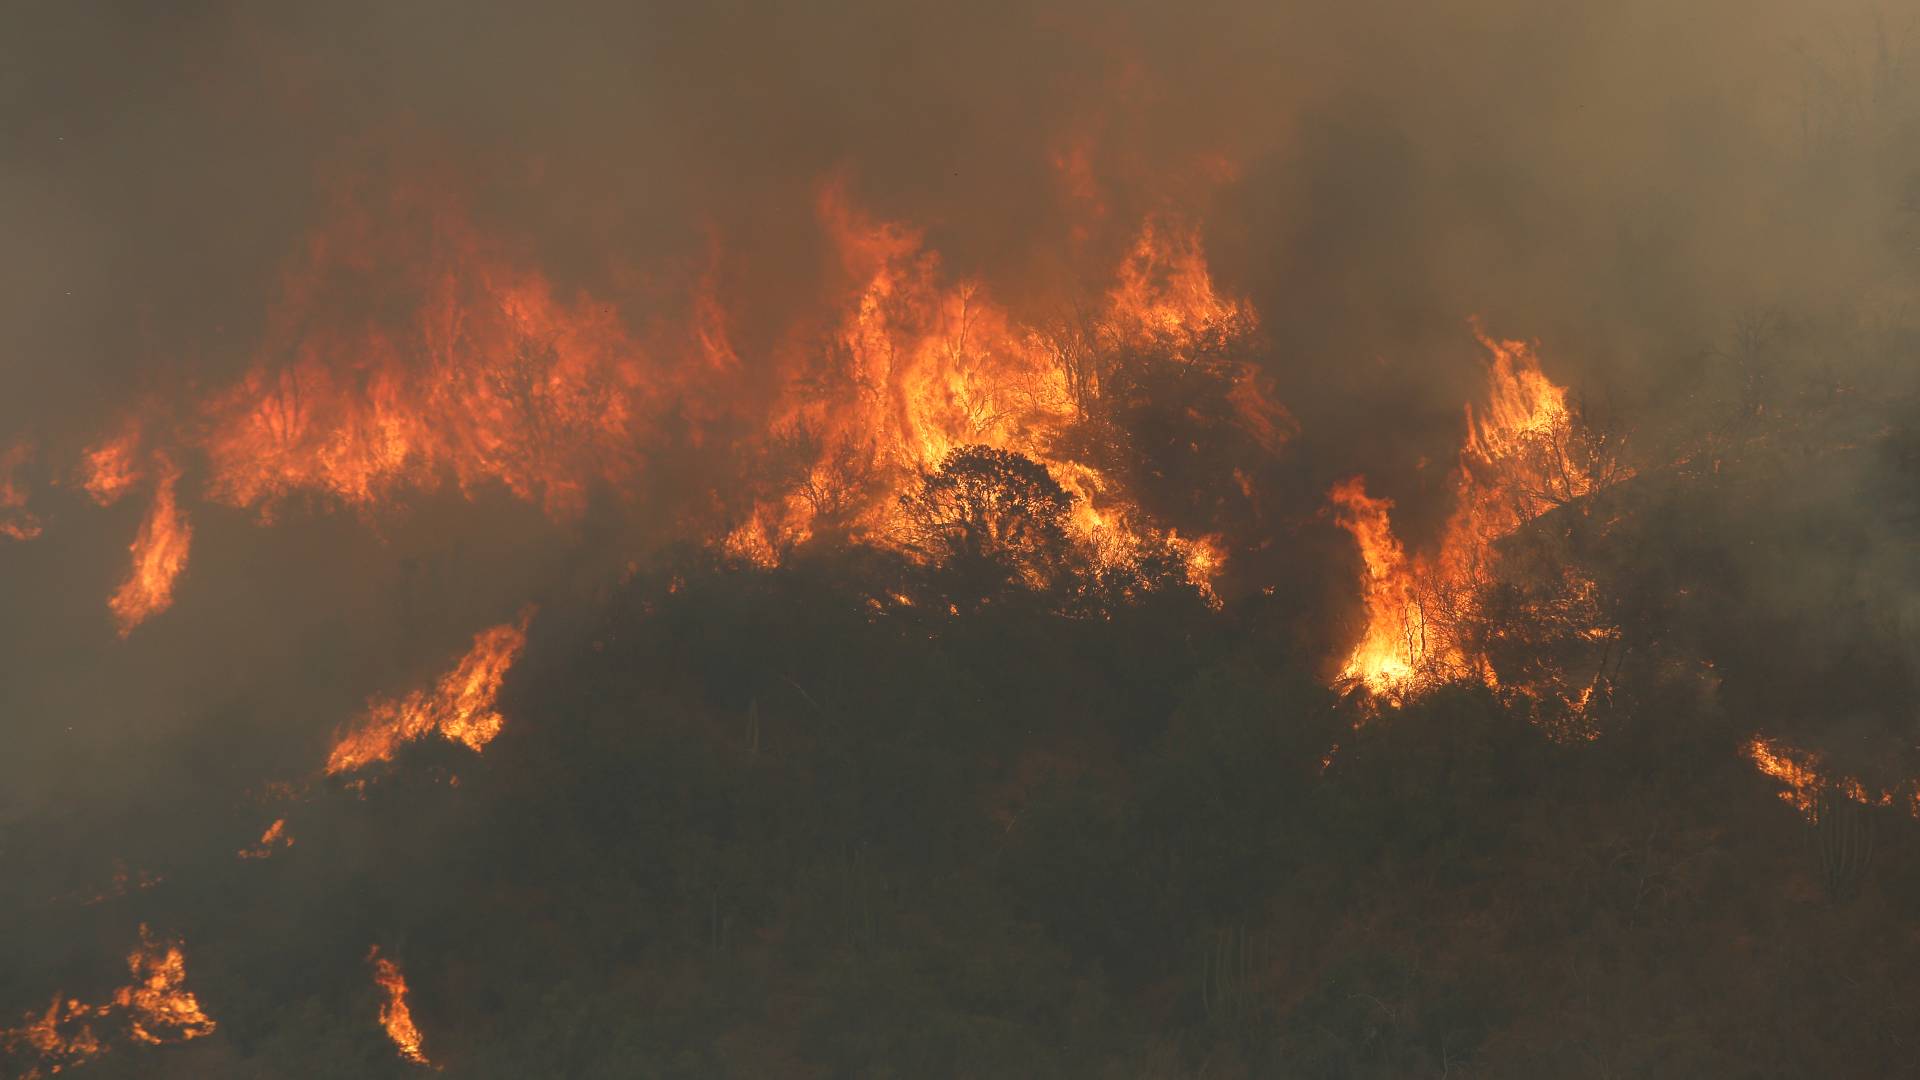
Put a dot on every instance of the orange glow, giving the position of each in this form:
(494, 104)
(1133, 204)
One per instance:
(275, 836)
(1166, 289)
(485, 376)
(1793, 768)
(460, 707)
(155, 1007)
(395, 1017)
(16, 521)
(1807, 779)
(159, 555)
(1516, 464)
(110, 469)
(123, 882)
(159, 1008)
(60, 1038)
(918, 367)
(406, 352)
(1394, 645)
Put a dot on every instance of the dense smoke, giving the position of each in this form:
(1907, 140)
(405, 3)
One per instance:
(1667, 198)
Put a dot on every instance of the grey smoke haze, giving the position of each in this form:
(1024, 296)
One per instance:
(1622, 181)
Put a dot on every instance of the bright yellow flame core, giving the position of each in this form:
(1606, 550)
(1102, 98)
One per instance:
(459, 708)
(1513, 467)
(395, 1016)
(918, 368)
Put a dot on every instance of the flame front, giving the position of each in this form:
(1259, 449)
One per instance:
(459, 708)
(1394, 644)
(1796, 770)
(1811, 785)
(159, 1007)
(1520, 460)
(155, 1006)
(470, 368)
(111, 468)
(395, 1017)
(486, 377)
(159, 555)
(918, 368)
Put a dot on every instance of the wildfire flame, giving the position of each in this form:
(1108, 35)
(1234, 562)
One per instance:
(1517, 463)
(459, 708)
(395, 1017)
(159, 555)
(1165, 288)
(60, 1038)
(488, 377)
(473, 370)
(111, 468)
(1394, 642)
(1807, 780)
(16, 521)
(1795, 769)
(159, 1008)
(275, 836)
(155, 1006)
(919, 367)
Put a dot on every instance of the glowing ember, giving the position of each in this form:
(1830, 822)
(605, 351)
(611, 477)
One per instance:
(159, 555)
(276, 836)
(16, 522)
(459, 707)
(1793, 768)
(122, 882)
(155, 1007)
(395, 1017)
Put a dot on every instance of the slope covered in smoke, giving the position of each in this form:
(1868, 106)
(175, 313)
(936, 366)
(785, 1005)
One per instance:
(995, 540)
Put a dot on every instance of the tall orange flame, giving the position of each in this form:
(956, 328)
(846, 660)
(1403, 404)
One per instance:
(1809, 782)
(395, 1016)
(471, 369)
(1516, 464)
(460, 707)
(159, 555)
(918, 367)
(1394, 643)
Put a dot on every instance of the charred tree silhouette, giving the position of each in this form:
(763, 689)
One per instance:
(992, 517)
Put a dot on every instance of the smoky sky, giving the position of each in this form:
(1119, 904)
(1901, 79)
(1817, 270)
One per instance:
(1620, 181)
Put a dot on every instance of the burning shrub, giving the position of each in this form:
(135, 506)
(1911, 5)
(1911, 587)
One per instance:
(992, 516)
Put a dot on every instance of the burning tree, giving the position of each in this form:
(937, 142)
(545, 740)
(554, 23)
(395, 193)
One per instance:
(993, 516)
(1504, 596)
